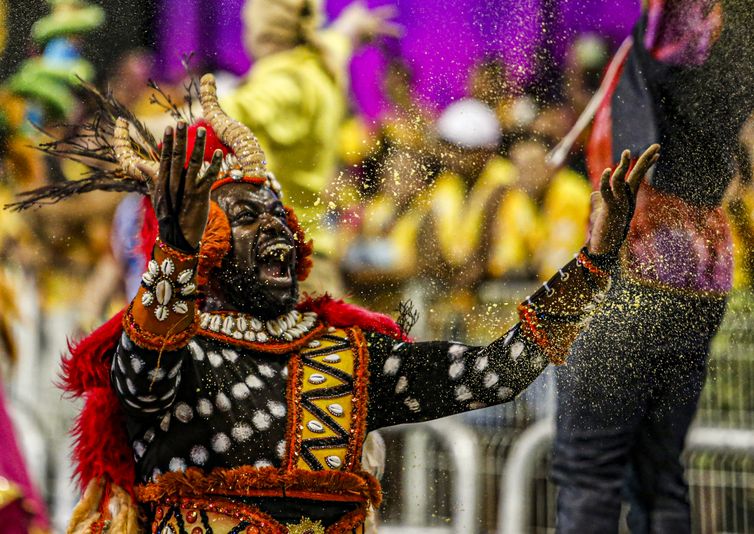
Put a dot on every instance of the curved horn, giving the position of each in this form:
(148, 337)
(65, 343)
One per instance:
(125, 154)
(234, 134)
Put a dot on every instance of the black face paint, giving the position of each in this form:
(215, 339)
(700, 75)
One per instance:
(258, 276)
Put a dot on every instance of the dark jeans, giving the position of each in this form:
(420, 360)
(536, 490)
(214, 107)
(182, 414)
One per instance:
(626, 399)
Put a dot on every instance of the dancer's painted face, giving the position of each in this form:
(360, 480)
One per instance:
(258, 276)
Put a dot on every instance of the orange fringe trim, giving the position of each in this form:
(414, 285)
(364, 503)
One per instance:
(216, 243)
(360, 400)
(293, 433)
(247, 481)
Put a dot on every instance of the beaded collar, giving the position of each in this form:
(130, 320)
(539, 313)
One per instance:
(288, 332)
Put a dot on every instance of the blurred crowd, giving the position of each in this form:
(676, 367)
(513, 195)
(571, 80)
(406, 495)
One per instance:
(455, 209)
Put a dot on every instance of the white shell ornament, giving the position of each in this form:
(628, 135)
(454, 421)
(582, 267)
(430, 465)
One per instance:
(163, 291)
(333, 462)
(317, 379)
(167, 267)
(148, 279)
(185, 276)
(153, 268)
(188, 289)
(161, 312)
(180, 307)
(315, 426)
(147, 298)
(335, 409)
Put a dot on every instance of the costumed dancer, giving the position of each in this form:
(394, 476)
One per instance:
(218, 401)
(674, 82)
(294, 98)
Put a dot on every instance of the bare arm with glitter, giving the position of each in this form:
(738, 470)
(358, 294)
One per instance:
(412, 382)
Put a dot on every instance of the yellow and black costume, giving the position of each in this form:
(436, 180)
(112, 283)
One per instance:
(200, 419)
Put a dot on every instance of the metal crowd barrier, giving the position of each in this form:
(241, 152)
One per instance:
(514, 444)
(720, 471)
(459, 445)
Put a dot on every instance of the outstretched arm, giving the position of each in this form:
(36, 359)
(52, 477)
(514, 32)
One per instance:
(162, 318)
(411, 382)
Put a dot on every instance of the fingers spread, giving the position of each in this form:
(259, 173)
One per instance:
(176, 165)
(618, 180)
(197, 158)
(210, 175)
(605, 190)
(644, 163)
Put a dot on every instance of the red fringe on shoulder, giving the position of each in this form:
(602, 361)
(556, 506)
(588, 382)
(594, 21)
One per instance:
(101, 448)
(339, 313)
(87, 365)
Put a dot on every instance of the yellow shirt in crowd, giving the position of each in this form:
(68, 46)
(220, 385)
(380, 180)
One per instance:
(295, 105)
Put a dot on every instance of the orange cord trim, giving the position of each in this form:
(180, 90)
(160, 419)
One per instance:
(531, 328)
(255, 180)
(248, 481)
(352, 520)
(269, 348)
(360, 399)
(293, 434)
(583, 260)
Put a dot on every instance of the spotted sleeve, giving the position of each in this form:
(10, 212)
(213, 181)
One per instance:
(413, 382)
(143, 386)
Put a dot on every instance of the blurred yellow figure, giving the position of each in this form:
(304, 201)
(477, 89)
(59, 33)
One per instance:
(541, 220)
(294, 97)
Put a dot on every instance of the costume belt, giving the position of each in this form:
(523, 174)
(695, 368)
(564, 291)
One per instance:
(218, 516)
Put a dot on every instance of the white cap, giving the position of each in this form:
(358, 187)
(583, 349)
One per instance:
(469, 123)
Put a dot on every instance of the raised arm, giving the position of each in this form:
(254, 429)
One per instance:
(162, 318)
(411, 382)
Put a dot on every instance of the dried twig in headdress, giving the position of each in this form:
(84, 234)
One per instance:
(191, 88)
(165, 101)
(407, 316)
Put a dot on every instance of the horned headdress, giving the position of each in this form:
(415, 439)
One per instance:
(114, 143)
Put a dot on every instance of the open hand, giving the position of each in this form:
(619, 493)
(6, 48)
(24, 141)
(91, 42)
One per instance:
(180, 195)
(363, 25)
(618, 198)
